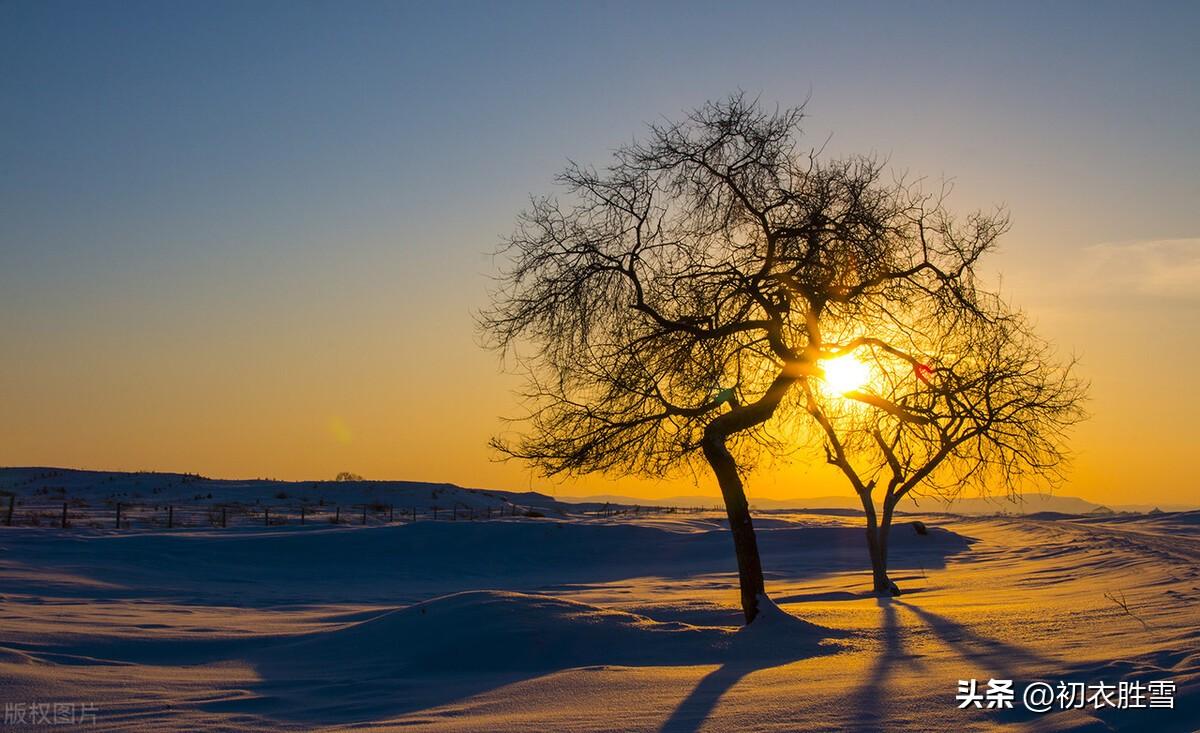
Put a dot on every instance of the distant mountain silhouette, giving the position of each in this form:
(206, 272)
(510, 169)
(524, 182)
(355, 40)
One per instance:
(1025, 504)
(179, 486)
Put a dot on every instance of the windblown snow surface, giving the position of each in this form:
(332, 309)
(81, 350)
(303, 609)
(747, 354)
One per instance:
(585, 624)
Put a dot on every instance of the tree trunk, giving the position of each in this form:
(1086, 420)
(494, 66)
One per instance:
(877, 545)
(742, 417)
(750, 575)
(885, 527)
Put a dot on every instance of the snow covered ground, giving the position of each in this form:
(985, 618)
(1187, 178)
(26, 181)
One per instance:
(590, 624)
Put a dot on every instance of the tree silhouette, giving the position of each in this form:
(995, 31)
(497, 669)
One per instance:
(676, 303)
(974, 401)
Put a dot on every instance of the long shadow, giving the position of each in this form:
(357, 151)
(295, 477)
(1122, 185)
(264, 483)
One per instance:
(990, 654)
(753, 653)
(702, 700)
(998, 658)
(867, 701)
(334, 678)
(460, 646)
(1013, 662)
(995, 658)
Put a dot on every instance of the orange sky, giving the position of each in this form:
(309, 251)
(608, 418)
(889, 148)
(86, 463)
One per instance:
(276, 382)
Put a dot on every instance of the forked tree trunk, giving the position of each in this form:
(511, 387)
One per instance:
(742, 417)
(877, 544)
(750, 574)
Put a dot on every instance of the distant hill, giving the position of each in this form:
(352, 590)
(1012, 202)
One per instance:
(1025, 504)
(56, 484)
(49, 482)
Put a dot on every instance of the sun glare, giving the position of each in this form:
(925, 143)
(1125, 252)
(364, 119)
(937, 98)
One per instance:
(844, 374)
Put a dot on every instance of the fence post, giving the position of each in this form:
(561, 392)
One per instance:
(118, 515)
(266, 516)
(364, 514)
(170, 517)
(301, 514)
(391, 513)
(414, 513)
(223, 525)
(8, 517)
(64, 516)
(337, 516)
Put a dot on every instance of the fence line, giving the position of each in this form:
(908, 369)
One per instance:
(221, 515)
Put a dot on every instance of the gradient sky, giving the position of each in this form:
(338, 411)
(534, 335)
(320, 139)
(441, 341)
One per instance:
(246, 239)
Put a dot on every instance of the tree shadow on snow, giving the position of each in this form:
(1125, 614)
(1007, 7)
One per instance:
(991, 654)
(866, 703)
(702, 700)
(456, 647)
(777, 640)
(993, 657)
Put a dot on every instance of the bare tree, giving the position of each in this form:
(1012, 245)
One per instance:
(976, 401)
(673, 305)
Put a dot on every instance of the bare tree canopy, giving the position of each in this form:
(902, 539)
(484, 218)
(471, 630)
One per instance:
(978, 401)
(677, 303)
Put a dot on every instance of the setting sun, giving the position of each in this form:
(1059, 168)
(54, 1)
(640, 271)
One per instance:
(844, 374)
